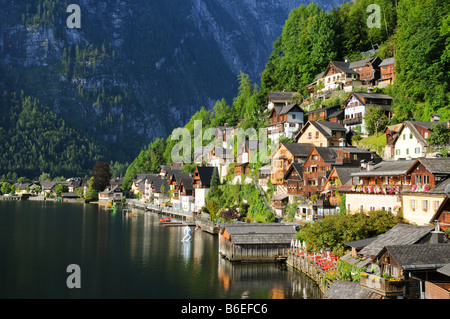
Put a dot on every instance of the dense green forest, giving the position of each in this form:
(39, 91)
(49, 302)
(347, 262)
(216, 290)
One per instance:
(416, 33)
(39, 141)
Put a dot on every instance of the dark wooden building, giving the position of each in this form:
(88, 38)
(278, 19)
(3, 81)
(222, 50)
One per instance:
(256, 241)
(293, 179)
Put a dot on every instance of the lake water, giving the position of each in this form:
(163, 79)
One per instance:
(125, 258)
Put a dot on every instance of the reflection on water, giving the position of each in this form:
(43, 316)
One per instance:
(124, 257)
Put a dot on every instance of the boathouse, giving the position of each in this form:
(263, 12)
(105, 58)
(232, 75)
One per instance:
(255, 242)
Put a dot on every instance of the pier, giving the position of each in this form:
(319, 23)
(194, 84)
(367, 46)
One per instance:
(189, 218)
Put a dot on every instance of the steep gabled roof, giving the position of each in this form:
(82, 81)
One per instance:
(327, 154)
(440, 165)
(294, 166)
(205, 173)
(412, 127)
(324, 127)
(341, 66)
(301, 150)
(400, 234)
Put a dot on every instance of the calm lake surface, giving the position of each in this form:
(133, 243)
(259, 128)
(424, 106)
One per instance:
(125, 258)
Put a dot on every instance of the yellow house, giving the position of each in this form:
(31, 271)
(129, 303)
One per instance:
(322, 134)
(284, 156)
(419, 208)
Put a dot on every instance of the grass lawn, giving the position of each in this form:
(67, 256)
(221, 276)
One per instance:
(375, 143)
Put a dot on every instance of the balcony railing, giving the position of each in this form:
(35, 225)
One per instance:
(355, 120)
(385, 286)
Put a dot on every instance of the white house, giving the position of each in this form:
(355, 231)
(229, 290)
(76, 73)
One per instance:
(356, 105)
(410, 142)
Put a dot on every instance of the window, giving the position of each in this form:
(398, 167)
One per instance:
(372, 208)
(426, 134)
(436, 204)
(417, 150)
(407, 151)
(418, 179)
(293, 116)
(355, 157)
(425, 204)
(426, 179)
(361, 208)
(410, 136)
(404, 136)
(397, 152)
(413, 204)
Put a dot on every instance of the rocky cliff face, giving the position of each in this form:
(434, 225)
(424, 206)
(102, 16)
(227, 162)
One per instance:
(136, 69)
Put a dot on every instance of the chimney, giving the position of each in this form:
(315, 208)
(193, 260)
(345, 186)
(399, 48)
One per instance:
(370, 166)
(347, 60)
(437, 236)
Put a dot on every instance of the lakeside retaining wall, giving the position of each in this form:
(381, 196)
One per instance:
(311, 269)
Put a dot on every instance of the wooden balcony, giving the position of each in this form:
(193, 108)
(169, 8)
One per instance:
(383, 286)
(355, 120)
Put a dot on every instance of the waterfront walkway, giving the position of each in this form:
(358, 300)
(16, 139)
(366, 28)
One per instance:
(206, 225)
(161, 209)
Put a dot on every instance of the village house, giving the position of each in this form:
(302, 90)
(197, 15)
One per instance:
(387, 72)
(400, 234)
(391, 132)
(414, 267)
(221, 158)
(315, 86)
(185, 191)
(377, 186)
(278, 98)
(247, 151)
(201, 182)
(284, 121)
(293, 180)
(430, 181)
(146, 190)
(340, 178)
(356, 105)
(255, 242)
(48, 187)
(160, 191)
(174, 182)
(320, 162)
(284, 156)
(339, 75)
(332, 113)
(166, 170)
(111, 194)
(264, 174)
(322, 134)
(411, 139)
(368, 70)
